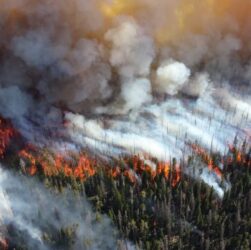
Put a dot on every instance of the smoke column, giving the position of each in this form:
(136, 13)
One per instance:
(127, 76)
(103, 75)
(125, 82)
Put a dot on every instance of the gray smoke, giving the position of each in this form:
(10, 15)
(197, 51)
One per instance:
(38, 213)
(69, 56)
(127, 76)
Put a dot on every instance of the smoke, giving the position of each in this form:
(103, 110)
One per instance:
(132, 51)
(127, 76)
(199, 170)
(19, 105)
(197, 86)
(171, 77)
(37, 212)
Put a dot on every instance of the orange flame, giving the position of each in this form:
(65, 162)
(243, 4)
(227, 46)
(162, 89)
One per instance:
(163, 168)
(238, 156)
(31, 159)
(6, 133)
(139, 167)
(115, 172)
(206, 158)
(54, 165)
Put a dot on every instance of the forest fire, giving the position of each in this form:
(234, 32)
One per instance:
(114, 41)
(6, 133)
(138, 167)
(80, 167)
(128, 105)
(238, 155)
(206, 158)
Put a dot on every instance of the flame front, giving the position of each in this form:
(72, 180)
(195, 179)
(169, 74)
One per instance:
(78, 166)
(82, 167)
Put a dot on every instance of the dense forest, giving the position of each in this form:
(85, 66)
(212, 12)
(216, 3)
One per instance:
(125, 125)
(161, 208)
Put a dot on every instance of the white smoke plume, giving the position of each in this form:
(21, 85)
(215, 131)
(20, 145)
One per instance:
(34, 210)
(199, 170)
(128, 76)
(171, 77)
(132, 51)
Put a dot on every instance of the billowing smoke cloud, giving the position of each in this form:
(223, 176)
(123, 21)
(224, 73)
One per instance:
(171, 77)
(127, 76)
(36, 213)
(132, 51)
